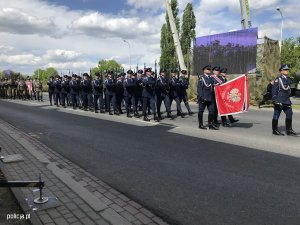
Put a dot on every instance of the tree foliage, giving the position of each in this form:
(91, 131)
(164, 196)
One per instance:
(168, 58)
(290, 54)
(106, 65)
(188, 33)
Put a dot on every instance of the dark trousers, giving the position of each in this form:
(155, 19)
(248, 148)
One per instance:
(51, 97)
(130, 101)
(64, 98)
(85, 100)
(287, 109)
(57, 98)
(149, 100)
(111, 100)
(98, 98)
(74, 100)
(166, 101)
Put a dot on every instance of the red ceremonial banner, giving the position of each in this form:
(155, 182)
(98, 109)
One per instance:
(233, 97)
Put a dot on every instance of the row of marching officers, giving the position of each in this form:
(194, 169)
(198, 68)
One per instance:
(140, 93)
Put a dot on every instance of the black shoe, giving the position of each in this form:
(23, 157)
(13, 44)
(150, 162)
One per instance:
(96, 111)
(191, 113)
(202, 127)
(146, 119)
(277, 132)
(110, 113)
(85, 109)
(213, 127)
(225, 124)
(116, 113)
(157, 118)
(102, 111)
(291, 133)
(137, 115)
(129, 116)
(234, 120)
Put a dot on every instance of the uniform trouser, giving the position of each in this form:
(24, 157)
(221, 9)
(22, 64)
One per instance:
(74, 99)
(130, 101)
(139, 101)
(51, 96)
(224, 120)
(119, 99)
(85, 100)
(111, 99)
(149, 100)
(57, 98)
(166, 101)
(287, 109)
(98, 98)
(211, 109)
(90, 100)
(64, 98)
(177, 100)
(185, 99)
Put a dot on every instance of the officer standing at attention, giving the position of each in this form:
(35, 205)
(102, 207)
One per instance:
(50, 84)
(281, 99)
(206, 98)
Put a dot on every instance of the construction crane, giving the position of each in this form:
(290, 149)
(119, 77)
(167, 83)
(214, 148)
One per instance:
(245, 14)
(175, 35)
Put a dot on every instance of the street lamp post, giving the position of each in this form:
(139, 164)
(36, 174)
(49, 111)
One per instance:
(280, 42)
(129, 52)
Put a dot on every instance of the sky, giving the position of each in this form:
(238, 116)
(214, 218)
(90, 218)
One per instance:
(75, 34)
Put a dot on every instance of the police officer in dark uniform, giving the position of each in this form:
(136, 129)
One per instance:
(74, 91)
(64, 90)
(162, 94)
(206, 98)
(129, 93)
(120, 92)
(139, 91)
(85, 90)
(50, 84)
(149, 97)
(57, 89)
(98, 92)
(184, 85)
(110, 85)
(281, 98)
(174, 89)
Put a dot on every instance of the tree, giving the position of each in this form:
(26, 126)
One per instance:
(168, 58)
(105, 65)
(290, 54)
(188, 33)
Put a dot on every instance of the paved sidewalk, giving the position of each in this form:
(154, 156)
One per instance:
(83, 198)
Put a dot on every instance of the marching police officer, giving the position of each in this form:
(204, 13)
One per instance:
(139, 91)
(281, 98)
(64, 90)
(206, 98)
(174, 89)
(110, 85)
(74, 91)
(50, 84)
(162, 94)
(57, 89)
(149, 94)
(184, 85)
(85, 90)
(129, 93)
(98, 92)
(120, 92)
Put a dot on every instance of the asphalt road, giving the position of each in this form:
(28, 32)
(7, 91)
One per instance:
(239, 175)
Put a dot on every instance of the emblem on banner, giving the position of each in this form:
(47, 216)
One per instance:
(234, 95)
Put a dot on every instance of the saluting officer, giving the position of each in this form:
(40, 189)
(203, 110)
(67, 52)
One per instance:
(206, 98)
(281, 98)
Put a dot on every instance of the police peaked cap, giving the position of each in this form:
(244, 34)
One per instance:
(223, 70)
(110, 72)
(173, 70)
(140, 71)
(216, 68)
(129, 72)
(97, 74)
(162, 71)
(284, 67)
(149, 69)
(85, 75)
(123, 74)
(74, 75)
(206, 67)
